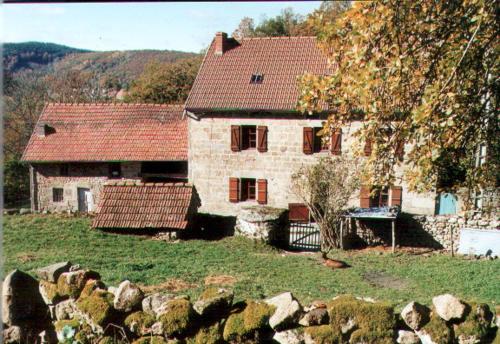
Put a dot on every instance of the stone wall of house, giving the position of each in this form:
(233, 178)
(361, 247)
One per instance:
(435, 231)
(80, 175)
(212, 163)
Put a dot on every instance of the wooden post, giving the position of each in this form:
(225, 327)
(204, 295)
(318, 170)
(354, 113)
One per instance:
(393, 236)
(341, 233)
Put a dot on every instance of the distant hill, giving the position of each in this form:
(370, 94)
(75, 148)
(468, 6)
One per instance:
(115, 69)
(33, 55)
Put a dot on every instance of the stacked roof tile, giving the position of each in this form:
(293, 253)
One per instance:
(109, 132)
(140, 206)
(223, 82)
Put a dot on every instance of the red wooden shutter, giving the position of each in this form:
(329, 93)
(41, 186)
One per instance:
(308, 140)
(235, 138)
(298, 212)
(364, 197)
(262, 139)
(396, 195)
(234, 190)
(337, 141)
(400, 149)
(262, 191)
(368, 147)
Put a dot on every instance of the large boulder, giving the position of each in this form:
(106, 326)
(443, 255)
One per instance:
(214, 302)
(139, 323)
(128, 296)
(407, 337)
(178, 317)
(317, 316)
(289, 337)
(250, 324)
(448, 307)
(21, 300)
(48, 291)
(52, 272)
(288, 311)
(415, 315)
(97, 309)
(154, 303)
(321, 335)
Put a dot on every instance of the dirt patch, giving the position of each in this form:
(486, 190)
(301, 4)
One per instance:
(400, 249)
(383, 280)
(172, 285)
(26, 257)
(220, 280)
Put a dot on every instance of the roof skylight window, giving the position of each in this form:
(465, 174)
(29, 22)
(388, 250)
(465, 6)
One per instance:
(257, 78)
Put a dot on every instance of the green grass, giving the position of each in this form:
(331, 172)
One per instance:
(32, 241)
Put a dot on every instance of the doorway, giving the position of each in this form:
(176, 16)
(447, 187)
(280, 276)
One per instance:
(85, 200)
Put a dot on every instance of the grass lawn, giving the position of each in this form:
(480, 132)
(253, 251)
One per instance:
(32, 241)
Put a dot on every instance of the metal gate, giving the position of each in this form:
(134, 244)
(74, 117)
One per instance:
(304, 236)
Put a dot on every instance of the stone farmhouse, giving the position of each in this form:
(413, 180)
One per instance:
(234, 144)
(246, 138)
(127, 161)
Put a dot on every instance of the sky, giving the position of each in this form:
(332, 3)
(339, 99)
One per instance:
(184, 26)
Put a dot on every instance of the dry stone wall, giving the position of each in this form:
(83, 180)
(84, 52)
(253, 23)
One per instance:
(436, 231)
(70, 304)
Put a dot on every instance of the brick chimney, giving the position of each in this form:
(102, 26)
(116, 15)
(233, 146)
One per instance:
(220, 43)
(43, 129)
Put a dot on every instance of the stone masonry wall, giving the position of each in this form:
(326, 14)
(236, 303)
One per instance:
(438, 231)
(212, 163)
(81, 175)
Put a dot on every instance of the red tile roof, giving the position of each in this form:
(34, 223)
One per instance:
(110, 132)
(139, 206)
(223, 82)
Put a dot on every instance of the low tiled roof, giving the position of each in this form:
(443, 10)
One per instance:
(110, 132)
(140, 206)
(223, 82)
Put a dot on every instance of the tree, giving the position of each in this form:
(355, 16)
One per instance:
(165, 82)
(326, 189)
(74, 86)
(327, 12)
(245, 29)
(423, 73)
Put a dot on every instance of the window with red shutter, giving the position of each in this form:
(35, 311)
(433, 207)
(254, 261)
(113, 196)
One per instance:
(308, 143)
(235, 138)
(337, 141)
(368, 147)
(262, 139)
(396, 195)
(234, 190)
(298, 212)
(262, 191)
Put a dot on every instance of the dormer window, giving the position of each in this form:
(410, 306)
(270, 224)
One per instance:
(257, 78)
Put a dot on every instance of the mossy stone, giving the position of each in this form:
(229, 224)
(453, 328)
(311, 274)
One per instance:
(60, 324)
(90, 286)
(323, 334)
(107, 340)
(235, 328)
(150, 340)
(475, 323)
(50, 291)
(368, 337)
(137, 322)
(98, 306)
(178, 318)
(372, 317)
(437, 329)
(209, 335)
(256, 315)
